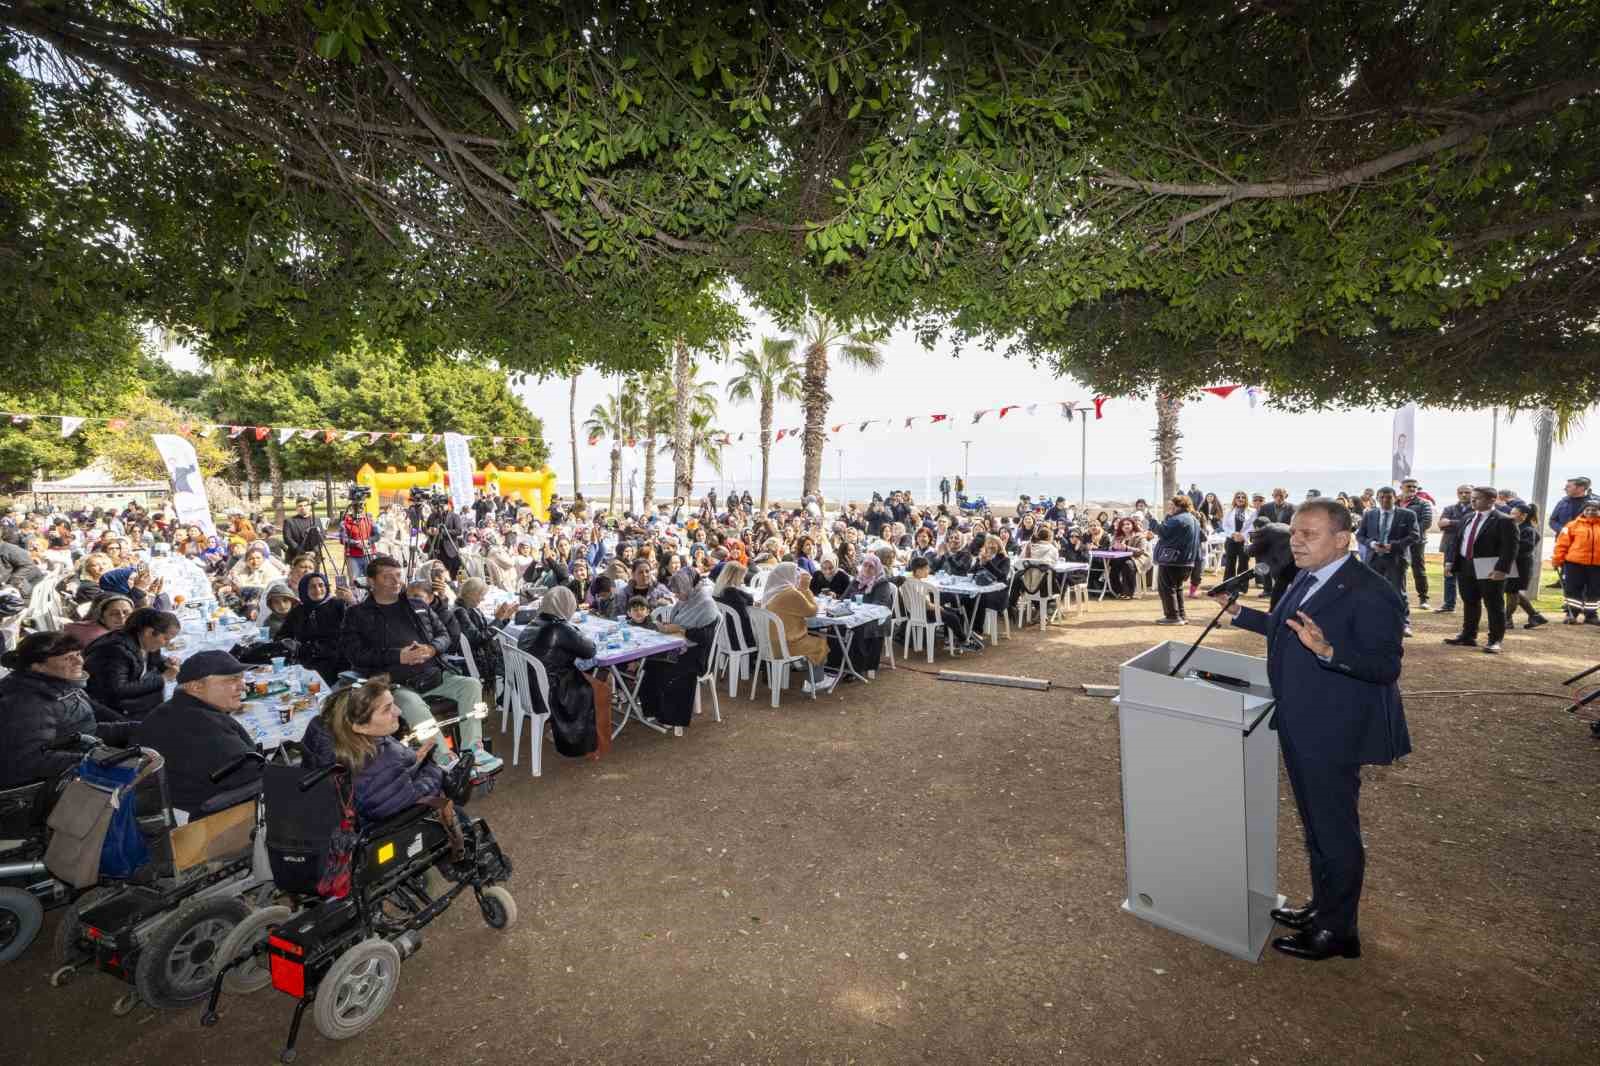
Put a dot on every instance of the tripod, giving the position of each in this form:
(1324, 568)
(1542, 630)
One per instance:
(439, 534)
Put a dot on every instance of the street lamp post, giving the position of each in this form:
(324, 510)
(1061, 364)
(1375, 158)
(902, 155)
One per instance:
(966, 462)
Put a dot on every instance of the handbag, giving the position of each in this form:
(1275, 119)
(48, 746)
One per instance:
(1169, 555)
(335, 880)
(95, 824)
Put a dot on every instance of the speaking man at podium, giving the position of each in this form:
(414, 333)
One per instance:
(1333, 658)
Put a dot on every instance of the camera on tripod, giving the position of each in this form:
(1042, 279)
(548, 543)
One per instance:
(356, 495)
(423, 494)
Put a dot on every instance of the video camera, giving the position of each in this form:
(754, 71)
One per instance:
(357, 494)
(423, 494)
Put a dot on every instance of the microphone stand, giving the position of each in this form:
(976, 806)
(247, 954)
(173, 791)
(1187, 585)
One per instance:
(1237, 587)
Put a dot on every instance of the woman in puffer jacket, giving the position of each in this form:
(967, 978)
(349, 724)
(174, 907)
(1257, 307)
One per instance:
(45, 704)
(389, 776)
(127, 671)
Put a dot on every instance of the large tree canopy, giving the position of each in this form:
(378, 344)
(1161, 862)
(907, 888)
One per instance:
(1341, 200)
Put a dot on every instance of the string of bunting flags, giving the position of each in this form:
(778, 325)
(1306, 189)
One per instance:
(1066, 409)
(70, 424)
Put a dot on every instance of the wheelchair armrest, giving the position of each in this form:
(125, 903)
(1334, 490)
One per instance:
(231, 798)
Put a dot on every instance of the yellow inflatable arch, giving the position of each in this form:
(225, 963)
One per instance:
(533, 487)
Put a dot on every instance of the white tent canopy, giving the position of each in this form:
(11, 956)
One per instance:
(96, 479)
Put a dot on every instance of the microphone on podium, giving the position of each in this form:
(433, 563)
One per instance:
(1234, 587)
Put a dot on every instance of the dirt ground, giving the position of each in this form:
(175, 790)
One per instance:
(918, 871)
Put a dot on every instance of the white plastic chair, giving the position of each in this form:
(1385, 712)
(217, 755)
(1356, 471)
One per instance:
(520, 663)
(914, 597)
(44, 606)
(772, 651)
(1037, 594)
(709, 678)
(992, 622)
(732, 652)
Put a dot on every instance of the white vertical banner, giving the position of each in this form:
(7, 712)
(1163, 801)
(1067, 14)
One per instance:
(458, 462)
(1403, 444)
(188, 489)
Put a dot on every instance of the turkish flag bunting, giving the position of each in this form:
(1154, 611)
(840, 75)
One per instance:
(865, 424)
(183, 429)
(1221, 390)
(328, 435)
(262, 431)
(1008, 409)
(1100, 402)
(779, 437)
(838, 427)
(941, 418)
(117, 424)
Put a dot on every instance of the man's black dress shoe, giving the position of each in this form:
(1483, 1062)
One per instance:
(1294, 917)
(1462, 642)
(1318, 945)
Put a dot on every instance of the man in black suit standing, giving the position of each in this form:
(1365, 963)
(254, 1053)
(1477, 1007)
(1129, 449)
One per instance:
(1487, 547)
(1388, 532)
(1333, 658)
(1450, 520)
(1278, 511)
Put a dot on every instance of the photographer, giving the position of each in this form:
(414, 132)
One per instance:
(302, 533)
(386, 633)
(358, 532)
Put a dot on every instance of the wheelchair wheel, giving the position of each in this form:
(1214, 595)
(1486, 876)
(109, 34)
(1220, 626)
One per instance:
(69, 930)
(254, 975)
(20, 918)
(356, 989)
(181, 955)
(499, 908)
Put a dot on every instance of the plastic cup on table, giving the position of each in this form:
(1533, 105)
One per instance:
(277, 664)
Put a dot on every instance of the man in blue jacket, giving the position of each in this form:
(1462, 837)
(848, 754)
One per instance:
(1333, 658)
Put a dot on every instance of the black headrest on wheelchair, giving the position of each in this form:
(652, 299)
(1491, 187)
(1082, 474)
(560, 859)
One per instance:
(246, 793)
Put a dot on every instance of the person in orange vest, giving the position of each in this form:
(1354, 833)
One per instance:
(1577, 556)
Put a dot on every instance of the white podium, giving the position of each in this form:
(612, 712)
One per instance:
(1200, 797)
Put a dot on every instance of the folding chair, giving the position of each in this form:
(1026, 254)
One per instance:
(520, 663)
(732, 651)
(772, 651)
(709, 678)
(1037, 593)
(914, 597)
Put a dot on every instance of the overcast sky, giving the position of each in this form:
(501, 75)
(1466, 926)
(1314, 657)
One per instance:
(1218, 434)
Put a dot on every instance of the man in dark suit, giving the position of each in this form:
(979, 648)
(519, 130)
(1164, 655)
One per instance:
(1269, 545)
(1388, 532)
(1278, 510)
(1486, 534)
(1333, 658)
(1450, 520)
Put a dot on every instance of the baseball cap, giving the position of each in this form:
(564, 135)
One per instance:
(202, 665)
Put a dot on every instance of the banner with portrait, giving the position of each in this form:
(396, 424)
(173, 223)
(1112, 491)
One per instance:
(1403, 444)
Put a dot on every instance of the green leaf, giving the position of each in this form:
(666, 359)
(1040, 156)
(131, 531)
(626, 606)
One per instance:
(833, 79)
(330, 44)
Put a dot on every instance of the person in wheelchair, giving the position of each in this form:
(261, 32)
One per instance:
(46, 703)
(386, 633)
(196, 731)
(388, 776)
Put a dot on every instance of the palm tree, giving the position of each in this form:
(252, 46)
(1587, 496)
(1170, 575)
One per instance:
(617, 417)
(700, 414)
(765, 375)
(820, 335)
(657, 412)
(1166, 440)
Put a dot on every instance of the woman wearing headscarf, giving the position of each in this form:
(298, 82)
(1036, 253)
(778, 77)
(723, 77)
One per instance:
(872, 584)
(107, 613)
(257, 569)
(558, 645)
(668, 688)
(315, 623)
(829, 578)
(787, 594)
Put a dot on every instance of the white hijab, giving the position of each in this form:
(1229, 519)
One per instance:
(781, 577)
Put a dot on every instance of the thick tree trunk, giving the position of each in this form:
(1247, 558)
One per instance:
(248, 463)
(816, 405)
(327, 488)
(682, 470)
(572, 421)
(766, 443)
(649, 473)
(616, 478)
(1166, 439)
(275, 474)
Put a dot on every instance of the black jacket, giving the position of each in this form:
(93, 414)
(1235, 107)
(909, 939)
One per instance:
(741, 602)
(1403, 530)
(318, 627)
(123, 676)
(1270, 544)
(820, 584)
(40, 710)
(301, 534)
(1273, 511)
(372, 640)
(482, 636)
(558, 645)
(1450, 539)
(1496, 539)
(18, 569)
(196, 739)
